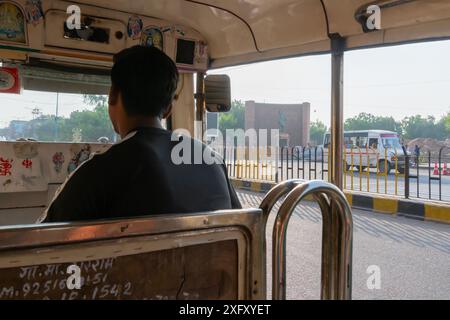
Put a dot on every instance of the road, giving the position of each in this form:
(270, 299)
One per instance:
(413, 256)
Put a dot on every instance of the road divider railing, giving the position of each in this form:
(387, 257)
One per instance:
(422, 210)
(394, 172)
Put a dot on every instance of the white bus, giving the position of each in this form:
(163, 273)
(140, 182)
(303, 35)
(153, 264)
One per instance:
(372, 149)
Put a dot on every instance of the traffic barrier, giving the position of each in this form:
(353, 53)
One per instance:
(365, 169)
(436, 170)
(445, 172)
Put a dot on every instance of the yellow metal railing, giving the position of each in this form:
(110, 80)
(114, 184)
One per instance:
(267, 164)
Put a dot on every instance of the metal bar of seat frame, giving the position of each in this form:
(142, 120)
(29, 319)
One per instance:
(337, 236)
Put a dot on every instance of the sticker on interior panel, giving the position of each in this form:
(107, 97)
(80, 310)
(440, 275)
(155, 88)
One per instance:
(134, 27)
(79, 156)
(27, 163)
(5, 167)
(33, 11)
(58, 161)
(12, 23)
(201, 53)
(9, 80)
(152, 37)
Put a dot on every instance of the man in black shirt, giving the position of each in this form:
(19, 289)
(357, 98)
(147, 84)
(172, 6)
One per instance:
(139, 176)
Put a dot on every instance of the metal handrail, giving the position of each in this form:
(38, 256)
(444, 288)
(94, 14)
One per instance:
(275, 194)
(337, 238)
(269, 201)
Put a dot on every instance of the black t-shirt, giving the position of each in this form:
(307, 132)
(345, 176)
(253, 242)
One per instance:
(138, 177)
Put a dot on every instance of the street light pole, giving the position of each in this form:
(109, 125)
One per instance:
(56, 116)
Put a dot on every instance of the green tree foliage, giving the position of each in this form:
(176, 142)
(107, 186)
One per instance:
(410, 127)
(234, 119)
(367, 121)
(419, 127)
(93, 124)
(446, 121)
(317, 132)
(95, 100)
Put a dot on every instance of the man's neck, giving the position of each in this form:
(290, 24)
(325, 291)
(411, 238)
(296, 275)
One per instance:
(133, 123)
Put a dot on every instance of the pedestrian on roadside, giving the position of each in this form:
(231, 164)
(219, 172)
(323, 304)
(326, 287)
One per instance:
(417, 154)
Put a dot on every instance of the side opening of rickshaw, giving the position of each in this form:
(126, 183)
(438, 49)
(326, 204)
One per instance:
(67, 47)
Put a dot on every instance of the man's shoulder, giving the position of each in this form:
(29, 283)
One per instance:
(90, 167)
(117, 148)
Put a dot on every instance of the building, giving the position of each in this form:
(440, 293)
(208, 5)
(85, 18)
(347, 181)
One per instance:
(293, 120)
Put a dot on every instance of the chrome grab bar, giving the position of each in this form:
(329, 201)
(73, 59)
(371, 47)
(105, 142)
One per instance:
(269, 201)
(275, 194)
(337, 236)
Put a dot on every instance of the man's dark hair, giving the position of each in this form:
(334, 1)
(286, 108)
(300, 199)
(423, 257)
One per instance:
(147, 80)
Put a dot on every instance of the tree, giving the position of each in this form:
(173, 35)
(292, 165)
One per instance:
(92, 125)
(317, 132)
(95, 100)
(419, 127)
(446, 121)
(234, 119)
(367, 121)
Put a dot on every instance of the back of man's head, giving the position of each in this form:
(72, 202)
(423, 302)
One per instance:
(146, 79)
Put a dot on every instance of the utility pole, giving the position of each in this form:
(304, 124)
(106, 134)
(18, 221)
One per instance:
(36, 112)
(56, 116)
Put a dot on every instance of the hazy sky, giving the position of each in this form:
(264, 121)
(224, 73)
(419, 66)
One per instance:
(394, 81)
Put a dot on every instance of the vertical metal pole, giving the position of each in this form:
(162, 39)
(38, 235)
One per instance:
(407, 185)
(315, 163)
(418, 176)
(310, 162)
(336, 167)
(200, 105)
(429, 175)
(337, 110)
(440, 173)
(323, 164)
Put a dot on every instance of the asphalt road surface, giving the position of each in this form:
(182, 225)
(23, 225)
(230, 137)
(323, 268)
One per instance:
(413, 256)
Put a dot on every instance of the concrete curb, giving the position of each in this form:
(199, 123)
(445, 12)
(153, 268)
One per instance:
(413, 209)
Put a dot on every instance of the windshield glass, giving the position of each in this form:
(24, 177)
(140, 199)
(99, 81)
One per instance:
(55, 117)
(391, 143)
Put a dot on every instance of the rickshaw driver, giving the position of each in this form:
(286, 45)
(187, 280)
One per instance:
(137, 176)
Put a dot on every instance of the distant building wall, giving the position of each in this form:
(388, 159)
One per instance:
(293, 120)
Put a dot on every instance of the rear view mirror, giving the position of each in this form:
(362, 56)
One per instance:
(217, 93)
